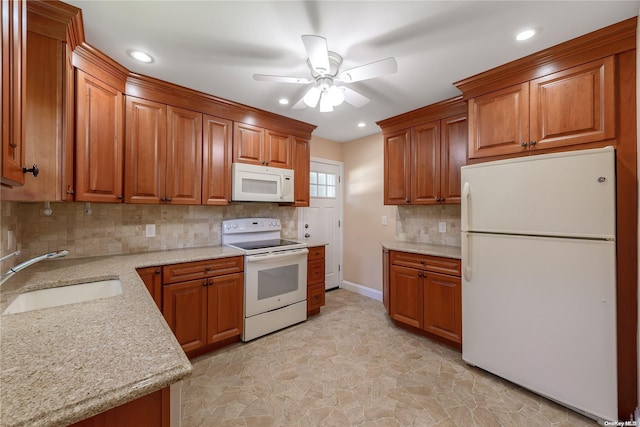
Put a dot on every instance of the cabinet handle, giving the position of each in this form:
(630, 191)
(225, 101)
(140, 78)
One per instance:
(317, 271)
(205, 283)
(422, 261)
(169, 199)
(33, 169)
(70, 192)
(532, 143)
(524, 145)
(162, 199)
(157, 272)
(210, 282)
(317, 297)
(120, 197)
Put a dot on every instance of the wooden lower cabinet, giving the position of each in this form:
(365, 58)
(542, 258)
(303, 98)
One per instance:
(152, 410)
(152, 278)
(204, 311)
(315, 279)
(424, 298)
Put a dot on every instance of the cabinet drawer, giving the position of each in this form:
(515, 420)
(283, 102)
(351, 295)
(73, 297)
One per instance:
(195, 270)
(315, 296)
(316, 252)
(426, 262)
(315, 271)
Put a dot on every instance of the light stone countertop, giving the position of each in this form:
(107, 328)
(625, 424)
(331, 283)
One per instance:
(63, 364)
(424, 249)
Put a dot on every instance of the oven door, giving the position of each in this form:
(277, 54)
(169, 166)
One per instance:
(275, 280)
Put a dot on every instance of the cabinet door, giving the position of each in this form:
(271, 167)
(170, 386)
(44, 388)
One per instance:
(315, 271)
(406, 294)
(277, 151)
(99, 140)
(184, 157)
(397, 168)
(225, 307)
(216, 161)
(453, 156)
(184, 306)
(315, 298)
(443, 306)
(14, 63)
(248, 144)
(499, 122)
(152, 278)
(301, 168)
(146, 155)
(574, 106)
(425, 166)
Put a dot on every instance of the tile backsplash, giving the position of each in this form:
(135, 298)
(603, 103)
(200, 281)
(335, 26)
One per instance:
(420, 223)
(120, 228)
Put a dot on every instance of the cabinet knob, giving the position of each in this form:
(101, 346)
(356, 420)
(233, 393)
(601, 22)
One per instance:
(33, 169)
(169, 199)
(317, 271)
(532, 143)
(524, 144)
(317, 297)
(157, 272)
(121, 197)
(205, 283)
(422, 261)
(162, 199)
(207, 268)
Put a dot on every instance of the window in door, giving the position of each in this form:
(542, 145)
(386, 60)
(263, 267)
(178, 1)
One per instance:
(322, 185)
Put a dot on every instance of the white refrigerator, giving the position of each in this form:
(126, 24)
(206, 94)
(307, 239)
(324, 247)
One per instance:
(539, 275)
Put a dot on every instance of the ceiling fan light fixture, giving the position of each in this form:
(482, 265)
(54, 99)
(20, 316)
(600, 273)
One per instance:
(336, 95)
(312, 97)
(326, 106)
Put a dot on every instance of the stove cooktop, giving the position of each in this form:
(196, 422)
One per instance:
(264, 244)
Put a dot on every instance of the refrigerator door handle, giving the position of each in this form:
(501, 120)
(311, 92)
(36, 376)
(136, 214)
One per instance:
(466, 192)
(466, 263)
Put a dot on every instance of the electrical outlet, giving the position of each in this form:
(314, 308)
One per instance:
(151, 230)
(442, 227)
(384, 220)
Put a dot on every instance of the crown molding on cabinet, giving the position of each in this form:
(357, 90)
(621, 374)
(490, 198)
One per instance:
(448, 107)
(611, 40)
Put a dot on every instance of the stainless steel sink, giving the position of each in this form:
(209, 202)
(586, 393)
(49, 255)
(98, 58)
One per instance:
(63, 295)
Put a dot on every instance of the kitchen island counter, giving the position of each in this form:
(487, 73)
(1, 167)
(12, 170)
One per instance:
(67, 363)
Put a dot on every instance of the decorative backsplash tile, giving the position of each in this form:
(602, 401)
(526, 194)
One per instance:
(120, 228)
(420, 224)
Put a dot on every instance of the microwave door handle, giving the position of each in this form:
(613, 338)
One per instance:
(280, 186)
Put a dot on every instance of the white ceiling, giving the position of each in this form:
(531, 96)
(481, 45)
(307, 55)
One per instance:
(216, 46)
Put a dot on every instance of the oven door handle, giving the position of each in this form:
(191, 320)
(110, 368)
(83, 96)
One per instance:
(269, 257)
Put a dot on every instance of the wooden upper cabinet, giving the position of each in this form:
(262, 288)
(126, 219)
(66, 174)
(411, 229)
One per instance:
(259, 146)
(99, 140)
(277, 152)
(14, 63)
(184, 157)
(453, 154)
(216, 160)
(499, 122)
(397, 158)
(248, 143)
(146, 152)
(425, 166)
(569, 107)
(164, 154)
(301, 167)
(574, 106)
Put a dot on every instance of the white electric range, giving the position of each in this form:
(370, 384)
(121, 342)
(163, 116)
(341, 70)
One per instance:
(275, 275)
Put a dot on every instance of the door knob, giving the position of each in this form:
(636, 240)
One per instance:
(307, 235)
(306, 226)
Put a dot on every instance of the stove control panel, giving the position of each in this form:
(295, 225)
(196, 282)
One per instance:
(250, 225)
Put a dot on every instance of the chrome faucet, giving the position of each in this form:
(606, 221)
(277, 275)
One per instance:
(15, 269)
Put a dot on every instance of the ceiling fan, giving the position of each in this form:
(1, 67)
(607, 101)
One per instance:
(325, 72)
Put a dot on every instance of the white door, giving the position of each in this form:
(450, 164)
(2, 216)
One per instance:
(322, 220)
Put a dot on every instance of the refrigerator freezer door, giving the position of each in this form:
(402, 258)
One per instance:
(541, 312)
(563, 194)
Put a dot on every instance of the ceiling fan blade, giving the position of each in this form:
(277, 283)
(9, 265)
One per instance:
(370, 71)
(354, 98)
(281, 79)
(318, 53)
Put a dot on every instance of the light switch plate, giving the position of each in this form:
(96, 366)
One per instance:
(442, 227)
(151, 230)
(384, 220)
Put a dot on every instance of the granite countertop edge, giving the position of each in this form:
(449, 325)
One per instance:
(48, 379)
(446, 251)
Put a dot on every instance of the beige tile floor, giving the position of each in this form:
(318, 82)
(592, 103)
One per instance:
(350, 366)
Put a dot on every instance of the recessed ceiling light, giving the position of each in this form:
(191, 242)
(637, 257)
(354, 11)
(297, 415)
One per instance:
(526, 34)
(361, 124)
(283, 101)
(141, 56)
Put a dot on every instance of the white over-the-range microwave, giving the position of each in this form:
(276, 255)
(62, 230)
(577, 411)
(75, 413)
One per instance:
(255, 183)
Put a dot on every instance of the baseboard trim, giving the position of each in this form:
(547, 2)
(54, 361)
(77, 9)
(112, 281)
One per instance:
(362, 290)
